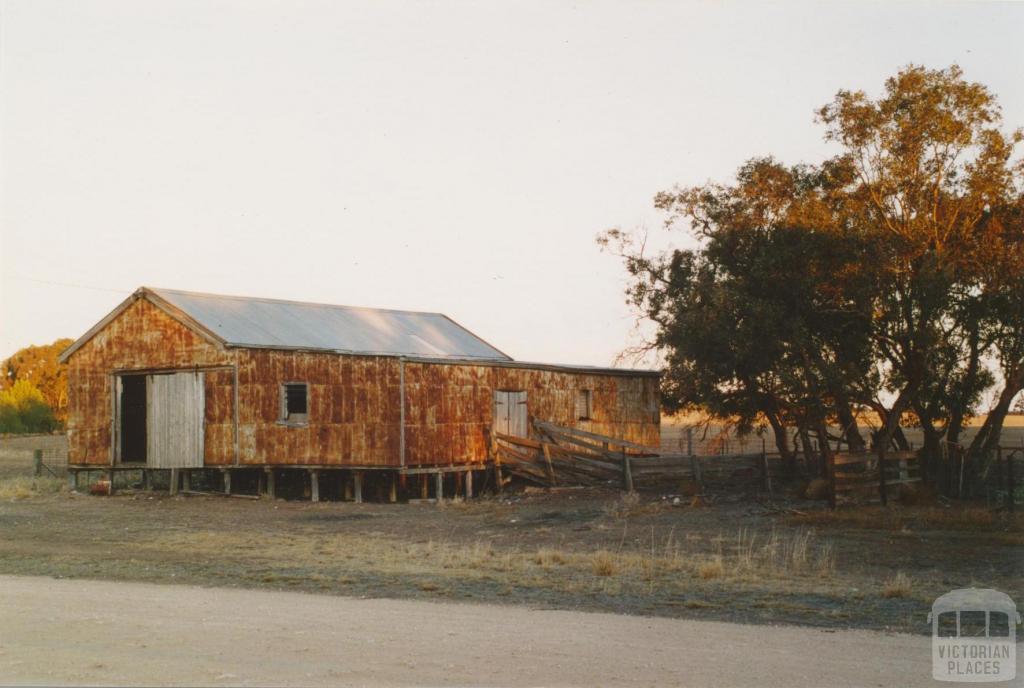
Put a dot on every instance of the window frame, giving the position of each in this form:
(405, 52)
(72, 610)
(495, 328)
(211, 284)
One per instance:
(586, 396)
(292, 419)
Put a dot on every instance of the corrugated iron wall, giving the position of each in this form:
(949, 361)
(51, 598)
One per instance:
(449, 406)
(354, 409)
(142, 337)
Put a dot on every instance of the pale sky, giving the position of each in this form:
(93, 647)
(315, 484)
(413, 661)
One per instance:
(444, 156)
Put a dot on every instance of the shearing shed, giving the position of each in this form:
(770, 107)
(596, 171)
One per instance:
(339, 399)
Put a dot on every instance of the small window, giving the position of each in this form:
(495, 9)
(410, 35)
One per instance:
(583, 404)
(294, 402)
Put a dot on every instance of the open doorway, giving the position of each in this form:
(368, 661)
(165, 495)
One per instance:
(133, 419)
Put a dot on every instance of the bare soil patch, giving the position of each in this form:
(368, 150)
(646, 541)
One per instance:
(740, 560)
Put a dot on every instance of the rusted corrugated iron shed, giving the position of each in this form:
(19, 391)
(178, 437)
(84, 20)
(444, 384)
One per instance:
(422, 392)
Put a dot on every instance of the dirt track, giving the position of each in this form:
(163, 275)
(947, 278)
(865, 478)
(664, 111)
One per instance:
(95, 632)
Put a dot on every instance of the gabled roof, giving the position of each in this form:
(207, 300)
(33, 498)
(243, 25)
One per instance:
(246, 322)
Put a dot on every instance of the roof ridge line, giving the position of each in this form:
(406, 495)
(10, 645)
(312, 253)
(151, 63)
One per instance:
(158, 290)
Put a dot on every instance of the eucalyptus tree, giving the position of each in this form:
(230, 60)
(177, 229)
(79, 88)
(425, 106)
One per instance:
(885, 278)
(930, 164)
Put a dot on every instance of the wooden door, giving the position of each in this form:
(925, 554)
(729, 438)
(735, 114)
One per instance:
(176, 406)
(510, 416)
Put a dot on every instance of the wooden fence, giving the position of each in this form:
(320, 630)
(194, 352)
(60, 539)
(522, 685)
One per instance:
(567, 456)
(860, 470)
(558, 455)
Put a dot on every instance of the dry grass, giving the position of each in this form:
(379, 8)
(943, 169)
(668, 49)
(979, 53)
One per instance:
(604, 563)
(898, 585)
(782, 555)
(549, 549)
(713, 567)
(902, 517)
(547, 557)
(666, 563)
(23, 487)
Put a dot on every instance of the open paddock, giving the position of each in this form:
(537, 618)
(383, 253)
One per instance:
(752, 561)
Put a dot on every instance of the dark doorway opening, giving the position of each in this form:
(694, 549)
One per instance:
(133, 419)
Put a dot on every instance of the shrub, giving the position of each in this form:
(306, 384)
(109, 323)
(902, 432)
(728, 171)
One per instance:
(23, 409)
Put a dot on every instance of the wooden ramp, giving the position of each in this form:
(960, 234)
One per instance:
(558, 455)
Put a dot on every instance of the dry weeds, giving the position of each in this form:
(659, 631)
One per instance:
(604, 563)
(898, 585)
(712, 567)
(895, 517)
(781, 555)
(547, 557)
(23, 487)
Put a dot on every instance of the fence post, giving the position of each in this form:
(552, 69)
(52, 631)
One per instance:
(689, 441)
(697, 475)
(881, 475)
(766, 484)
(1010, 483)
(627, 471)
(828, 463)
(37, 462)
(960, 488)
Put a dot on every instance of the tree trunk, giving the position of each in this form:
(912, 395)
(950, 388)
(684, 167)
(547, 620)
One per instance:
(782, 443)
(888, 431)
(893, 436)
(828, 464)
(959, 410)
(805, 442)
(932, 449)
(848, 421)
(987, 439)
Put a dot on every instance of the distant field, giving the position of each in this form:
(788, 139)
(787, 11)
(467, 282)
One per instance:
(712, 439)
(16, 453)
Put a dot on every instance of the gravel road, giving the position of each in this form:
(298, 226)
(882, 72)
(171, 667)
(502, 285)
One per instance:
(60, 632)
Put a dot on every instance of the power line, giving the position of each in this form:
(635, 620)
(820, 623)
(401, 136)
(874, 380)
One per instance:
(73, 285)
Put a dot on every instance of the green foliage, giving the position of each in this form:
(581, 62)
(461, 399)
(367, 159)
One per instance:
(23, 409)
(38, 365)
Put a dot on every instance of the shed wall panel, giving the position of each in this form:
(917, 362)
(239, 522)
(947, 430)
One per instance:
(354, 400)
(142, 337)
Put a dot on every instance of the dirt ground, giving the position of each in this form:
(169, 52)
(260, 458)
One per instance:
(101, 633)
(749, 561)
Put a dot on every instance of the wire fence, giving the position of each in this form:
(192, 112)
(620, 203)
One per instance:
(18, 454)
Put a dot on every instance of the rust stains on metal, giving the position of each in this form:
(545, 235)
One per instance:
(140, 337)
(354, 401)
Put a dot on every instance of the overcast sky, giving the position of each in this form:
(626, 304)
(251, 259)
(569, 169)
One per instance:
(445, 156)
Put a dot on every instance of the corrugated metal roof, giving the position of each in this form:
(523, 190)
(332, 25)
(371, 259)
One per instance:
(270, 323)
